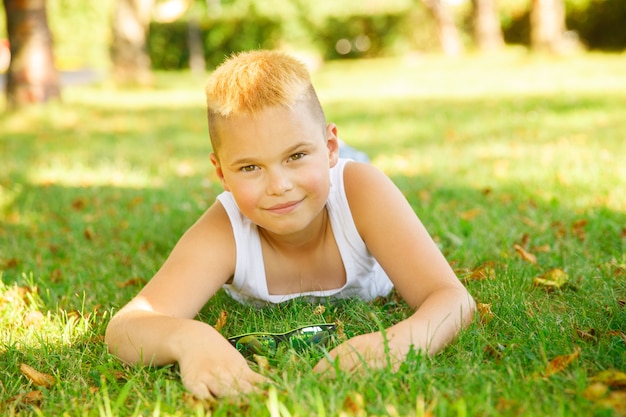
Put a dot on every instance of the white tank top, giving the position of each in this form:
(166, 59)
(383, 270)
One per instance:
(365, 279)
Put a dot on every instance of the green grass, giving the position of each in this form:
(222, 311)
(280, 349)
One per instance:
(491, 152)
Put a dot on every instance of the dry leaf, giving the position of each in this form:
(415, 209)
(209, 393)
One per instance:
(36, 377)
(471, 214)
(527, 256)
(595, 391)
(485, 313)
(262, 362)
(615, 400)
(618, 334)
(578, 228)
(529, 222)
(587, 334)
(89, 233)
(130, 282)
(319, 310)
(560, 362)
(541, 248)
(221, 320)
(354, 403)
(340, 332)
(611, 378)
(484, 271)
(554, 278)
(32, 398)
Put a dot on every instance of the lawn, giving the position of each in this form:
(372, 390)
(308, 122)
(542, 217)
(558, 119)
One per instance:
(515, 164)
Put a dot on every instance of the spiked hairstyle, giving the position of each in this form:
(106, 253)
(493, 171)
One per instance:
(249, 82)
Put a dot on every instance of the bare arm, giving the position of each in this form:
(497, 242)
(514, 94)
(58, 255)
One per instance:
(157, 326)
(418, 270)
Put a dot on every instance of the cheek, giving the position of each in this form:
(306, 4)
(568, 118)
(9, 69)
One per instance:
(246, 195)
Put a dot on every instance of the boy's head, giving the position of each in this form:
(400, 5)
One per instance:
(249, 82)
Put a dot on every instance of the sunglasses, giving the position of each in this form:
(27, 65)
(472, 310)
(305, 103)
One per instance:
(266, 344)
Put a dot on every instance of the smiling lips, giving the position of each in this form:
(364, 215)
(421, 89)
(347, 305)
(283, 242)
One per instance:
(284, 208)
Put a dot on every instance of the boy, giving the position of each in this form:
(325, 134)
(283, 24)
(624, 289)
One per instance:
(294, 220)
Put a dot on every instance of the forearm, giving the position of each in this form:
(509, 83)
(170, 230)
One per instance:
(434, 324)
(148, 338)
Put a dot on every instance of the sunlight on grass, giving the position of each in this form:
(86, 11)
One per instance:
(515, 73)
(77, 174)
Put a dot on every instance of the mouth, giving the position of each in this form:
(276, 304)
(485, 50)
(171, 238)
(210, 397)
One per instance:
(284, 208)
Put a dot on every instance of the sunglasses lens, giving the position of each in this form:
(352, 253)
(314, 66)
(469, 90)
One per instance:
(257, 345)
(313, 336)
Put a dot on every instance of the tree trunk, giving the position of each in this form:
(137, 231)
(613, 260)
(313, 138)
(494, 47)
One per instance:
(129, 54)
(448, 32)
(487, 30)
(547, 25)
(32, 76)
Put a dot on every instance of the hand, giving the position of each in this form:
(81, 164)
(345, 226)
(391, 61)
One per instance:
(367, 350)
(218, 370)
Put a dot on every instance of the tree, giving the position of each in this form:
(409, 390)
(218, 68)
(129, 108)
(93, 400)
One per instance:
(129, 54)
(31, 76)
(547, 25)
(446, 27)
(487, 31)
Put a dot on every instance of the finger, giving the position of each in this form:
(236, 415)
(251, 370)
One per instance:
(199, 390)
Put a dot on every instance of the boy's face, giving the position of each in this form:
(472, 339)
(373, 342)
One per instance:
(277, 166)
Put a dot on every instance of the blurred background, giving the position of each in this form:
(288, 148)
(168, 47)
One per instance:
(45, 44)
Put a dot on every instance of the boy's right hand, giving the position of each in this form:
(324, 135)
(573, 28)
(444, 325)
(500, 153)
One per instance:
(217, 370)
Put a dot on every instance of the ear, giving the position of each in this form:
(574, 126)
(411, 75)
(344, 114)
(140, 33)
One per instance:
(218, 170)
(332, 144)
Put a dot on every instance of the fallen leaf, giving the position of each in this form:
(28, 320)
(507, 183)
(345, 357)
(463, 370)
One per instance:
(541, 248)
(595, 391)
(615, 400)
(471, 214)
(618, 334)
(89, 233)
(221, 320)
(529, 222)
(262, 362)
(32, 398)
(130, 282)
(319, 310)
(554, 278)
(560, 363)
(484, 271)
(36, 377)
(354, 403)
(340, 332)
(484, 312)
(611, 378)
(78, 204)
(587, 334)
(578, 228)
(527, 256)
(11, 263)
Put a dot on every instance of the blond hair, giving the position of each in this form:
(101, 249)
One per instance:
(249, 82)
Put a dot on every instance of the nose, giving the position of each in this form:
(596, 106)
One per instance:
(278, 181)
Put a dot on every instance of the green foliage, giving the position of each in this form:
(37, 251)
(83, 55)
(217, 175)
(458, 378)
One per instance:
(489, 151)
(168, 47)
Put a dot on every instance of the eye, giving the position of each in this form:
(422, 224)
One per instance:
(297, 156)
(249, 168)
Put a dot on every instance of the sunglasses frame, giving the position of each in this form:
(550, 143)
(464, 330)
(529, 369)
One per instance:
(283, 337)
